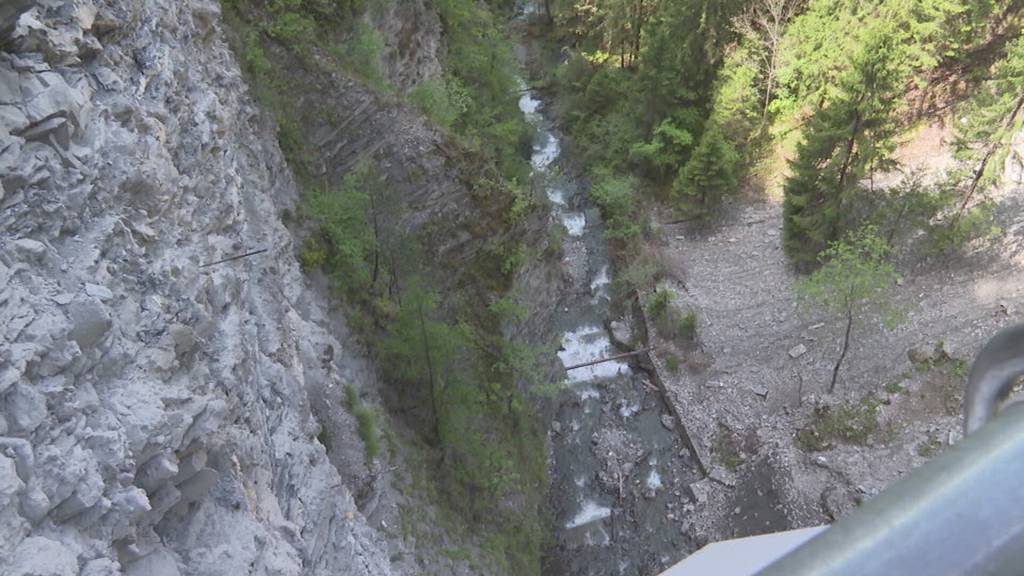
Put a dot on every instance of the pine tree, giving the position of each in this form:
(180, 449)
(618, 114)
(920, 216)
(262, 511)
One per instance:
(843, 140)
(992, 117)
(711, 171)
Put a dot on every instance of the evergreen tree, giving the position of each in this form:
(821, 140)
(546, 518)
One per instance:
(993, 117)
(843, 140)
(711, 171)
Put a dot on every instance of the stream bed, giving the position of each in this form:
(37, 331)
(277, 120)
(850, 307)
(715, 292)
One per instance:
(620, 472)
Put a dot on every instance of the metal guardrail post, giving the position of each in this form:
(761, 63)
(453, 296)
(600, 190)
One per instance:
(961, 513)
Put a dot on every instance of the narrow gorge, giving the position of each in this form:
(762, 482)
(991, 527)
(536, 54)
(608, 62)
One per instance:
(486, 287)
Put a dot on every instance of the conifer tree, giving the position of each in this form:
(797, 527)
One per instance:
(843, 140)
(711, 171)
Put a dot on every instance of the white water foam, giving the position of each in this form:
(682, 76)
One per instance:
(546, 153)
(654, 480)
(591, 512)
(557, 197)
(585, 344)
(575, 223)
(599, 285)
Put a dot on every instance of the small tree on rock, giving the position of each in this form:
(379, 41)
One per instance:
(854, 283)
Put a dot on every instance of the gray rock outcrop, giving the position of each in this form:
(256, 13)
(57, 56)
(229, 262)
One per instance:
(154, 415)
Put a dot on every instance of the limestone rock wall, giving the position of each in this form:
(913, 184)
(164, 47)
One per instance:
(155, 415)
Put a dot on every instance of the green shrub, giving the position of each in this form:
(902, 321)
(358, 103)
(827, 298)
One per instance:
(290, 24)
(312, 256)
(366, 421)
(360, 55)
(672, 363)
(658, 306)
(975, 224)
(668, 321)
(852, 424)
(442, 100)
(726, 448)
(688, 326)
(893, 387)
(342, 214)
(616, 198)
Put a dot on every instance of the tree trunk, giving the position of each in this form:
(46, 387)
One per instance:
(430, 373)
(547, 11)
(898, 221)
(770, 86)
(376, 241)
(842, 355)
(980, 171)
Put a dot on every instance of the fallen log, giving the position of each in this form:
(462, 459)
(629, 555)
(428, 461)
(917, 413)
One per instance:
(609, 359)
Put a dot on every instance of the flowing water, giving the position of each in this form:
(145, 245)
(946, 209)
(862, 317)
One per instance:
(620, 471)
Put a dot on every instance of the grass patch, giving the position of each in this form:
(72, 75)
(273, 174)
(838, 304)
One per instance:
(929, 447)
(366, 420)
(726, 448)
(672, 363)
(893, 387)
(849, 424)
(669, 321)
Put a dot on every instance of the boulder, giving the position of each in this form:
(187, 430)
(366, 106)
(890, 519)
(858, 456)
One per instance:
(159, 563)
(38, 556)
(29, 250)
(25, 408)
(923, 354)
(10, 484)
(797, 351)
(621, 334)
(90, 322)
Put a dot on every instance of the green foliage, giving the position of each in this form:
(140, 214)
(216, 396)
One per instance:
(342, 215)
(312, 256)
(736, 101)
(855, 279)
(481, 85)
(475, 411)
(929, 447)
(616, 197)
(641, 273)
(853, 283)
(852, 424)
(669, 321)
(290, 22)
(976, 223)
(360, 54)
(726, 448)
(843, 140)
(508, 310)
(366, 421)
(672, 363)
(443, 100)
(913, 206)
(670, 144)
(893, 387)
(711, 172)
(688, 326)
(659, 303)
(486, 449)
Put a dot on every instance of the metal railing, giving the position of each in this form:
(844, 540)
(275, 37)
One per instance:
(961, 513)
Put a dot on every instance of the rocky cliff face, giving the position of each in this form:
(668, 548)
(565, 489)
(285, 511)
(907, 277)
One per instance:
(413, 45)
(155, 414)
